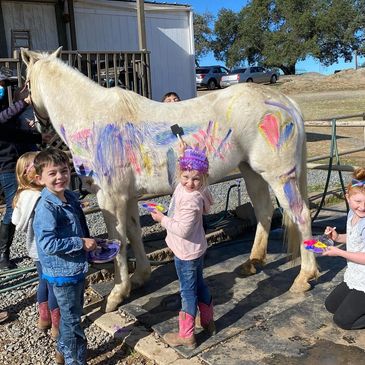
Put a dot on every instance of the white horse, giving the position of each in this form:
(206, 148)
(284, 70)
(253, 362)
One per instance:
(124, 141)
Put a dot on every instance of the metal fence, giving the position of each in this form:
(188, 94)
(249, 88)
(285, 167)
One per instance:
(331, 162)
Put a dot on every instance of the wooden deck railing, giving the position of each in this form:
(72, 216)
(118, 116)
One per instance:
(127, 69)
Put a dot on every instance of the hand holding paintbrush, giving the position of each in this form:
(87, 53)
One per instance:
(178, 132)
(331, 233)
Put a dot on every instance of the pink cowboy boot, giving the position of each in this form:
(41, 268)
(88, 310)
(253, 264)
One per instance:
(55, 318)
(44, 320)
(185, 336)
(206, 317)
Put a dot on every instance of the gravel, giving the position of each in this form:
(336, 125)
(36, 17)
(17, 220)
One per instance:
(22, 343)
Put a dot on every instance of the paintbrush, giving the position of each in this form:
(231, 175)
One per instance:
(177, 131)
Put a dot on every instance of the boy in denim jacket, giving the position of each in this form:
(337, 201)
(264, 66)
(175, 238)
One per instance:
(60, 231)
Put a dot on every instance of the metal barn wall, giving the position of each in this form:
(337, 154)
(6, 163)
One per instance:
(38, 18)
(105, 25)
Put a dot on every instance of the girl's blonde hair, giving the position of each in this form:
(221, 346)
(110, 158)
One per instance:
(357, 184)
(25, 174)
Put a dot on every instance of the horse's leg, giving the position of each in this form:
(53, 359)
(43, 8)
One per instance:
(134, 234)
(297, 220)
(114, 212)
(257, 189)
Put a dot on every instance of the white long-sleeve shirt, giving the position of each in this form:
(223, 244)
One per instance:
(23, 216)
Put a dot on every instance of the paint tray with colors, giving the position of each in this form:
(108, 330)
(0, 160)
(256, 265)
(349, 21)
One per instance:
(105, 251)
(152, 206)
(318, 244)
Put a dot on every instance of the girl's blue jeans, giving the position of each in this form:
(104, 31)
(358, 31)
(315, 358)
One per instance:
(9, 184)
(71, 340)
(45, 290)
(193, 289)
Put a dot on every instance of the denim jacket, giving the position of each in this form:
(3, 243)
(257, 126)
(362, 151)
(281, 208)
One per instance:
(58, 228)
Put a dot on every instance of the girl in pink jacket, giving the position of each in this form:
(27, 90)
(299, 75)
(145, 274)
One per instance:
(186, 238)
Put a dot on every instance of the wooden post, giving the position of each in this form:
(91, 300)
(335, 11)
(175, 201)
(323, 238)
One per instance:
(72, 24)
(141, 25)
(61, 26)
(3, 45)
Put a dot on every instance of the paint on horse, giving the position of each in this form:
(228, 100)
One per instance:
(107, 149)
(124, 143)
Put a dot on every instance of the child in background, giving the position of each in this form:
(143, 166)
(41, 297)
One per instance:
(25, 200)
(170, 97)
(186, 238)
(347, 300)
(61, 235)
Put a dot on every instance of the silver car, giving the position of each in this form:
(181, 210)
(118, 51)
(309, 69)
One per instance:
(250, 74)
(209, 76)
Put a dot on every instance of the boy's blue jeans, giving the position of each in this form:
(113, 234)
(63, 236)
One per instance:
(193, 289)
(71, 340)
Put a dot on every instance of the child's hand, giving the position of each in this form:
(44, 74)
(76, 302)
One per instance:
(28, 100)
(89, 244)
(182, 147)
(332, 251)
(331, 233)
(47, 137)
(157, 215)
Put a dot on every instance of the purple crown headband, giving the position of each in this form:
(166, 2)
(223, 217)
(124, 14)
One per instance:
(194, 159)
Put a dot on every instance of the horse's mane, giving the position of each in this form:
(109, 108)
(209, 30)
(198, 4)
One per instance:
(56, 69)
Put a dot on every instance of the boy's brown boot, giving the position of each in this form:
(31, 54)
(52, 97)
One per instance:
(59, 358)
(44, 320)
(185, 337)
(55, 319)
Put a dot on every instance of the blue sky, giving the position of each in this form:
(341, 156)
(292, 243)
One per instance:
(213, 6)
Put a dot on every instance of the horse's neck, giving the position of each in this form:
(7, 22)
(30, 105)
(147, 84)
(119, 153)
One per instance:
(66, 90)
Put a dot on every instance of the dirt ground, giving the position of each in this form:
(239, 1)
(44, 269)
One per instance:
(323, 97)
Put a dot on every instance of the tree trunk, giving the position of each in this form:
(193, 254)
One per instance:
(288, 69)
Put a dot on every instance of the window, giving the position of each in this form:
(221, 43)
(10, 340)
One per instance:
(20, 38)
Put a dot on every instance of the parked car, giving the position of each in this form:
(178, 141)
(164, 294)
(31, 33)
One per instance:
(250, 74)
(210, 76)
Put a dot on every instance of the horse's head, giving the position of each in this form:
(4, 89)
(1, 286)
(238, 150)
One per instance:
(33, 61)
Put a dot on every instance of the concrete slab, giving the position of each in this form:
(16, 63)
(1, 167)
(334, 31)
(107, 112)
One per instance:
(290, 334)
(237, 300)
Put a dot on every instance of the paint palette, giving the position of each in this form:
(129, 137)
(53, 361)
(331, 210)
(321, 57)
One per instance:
(318, 244)
(152, 206)
(105, 252)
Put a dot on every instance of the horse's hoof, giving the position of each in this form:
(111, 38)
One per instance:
(136, 283)
(113, 302)
(138, 280)
(247, 269)
(300, 287)
(110, 306)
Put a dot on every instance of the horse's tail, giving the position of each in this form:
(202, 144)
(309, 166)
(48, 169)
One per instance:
(293, 236)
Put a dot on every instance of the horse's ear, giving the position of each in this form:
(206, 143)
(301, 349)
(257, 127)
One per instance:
(57, 52)
(28, 57)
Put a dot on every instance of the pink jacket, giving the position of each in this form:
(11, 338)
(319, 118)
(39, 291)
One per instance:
(185, 233)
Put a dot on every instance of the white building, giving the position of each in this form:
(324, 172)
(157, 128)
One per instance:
(107, 25)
